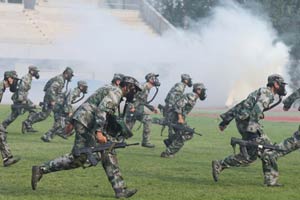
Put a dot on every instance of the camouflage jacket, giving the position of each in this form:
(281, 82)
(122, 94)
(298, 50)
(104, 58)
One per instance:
(251, 109)
(140, 99)
(175, 93)
(288, 102)
(21, 95)
(64, 101)
(185, 104)
(92, 113)
(53, 88)
(2, 90)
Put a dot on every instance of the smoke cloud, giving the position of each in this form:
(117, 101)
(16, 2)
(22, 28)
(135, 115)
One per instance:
(232, 51)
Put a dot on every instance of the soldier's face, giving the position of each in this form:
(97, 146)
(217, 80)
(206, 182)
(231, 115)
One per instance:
(280, 88)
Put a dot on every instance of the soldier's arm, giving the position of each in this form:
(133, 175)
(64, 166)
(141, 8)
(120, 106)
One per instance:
(288, 102)
(54, 91)
(179, 108)
(106, 106)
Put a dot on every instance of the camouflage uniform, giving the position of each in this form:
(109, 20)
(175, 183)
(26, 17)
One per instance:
(61, 110)
(139, 113)
(52, 89)
(88, 118)
(6, 154)
(247, 115)
(173, 96)
(20, 97)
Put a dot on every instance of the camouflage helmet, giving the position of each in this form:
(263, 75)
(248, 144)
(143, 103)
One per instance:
(33, 68)
(197, 86)
(10, 74)
(185, 77)
(117, 76)
(133, 81)
(83, 85)
(150, 75)
(276, 78)
(69, 71)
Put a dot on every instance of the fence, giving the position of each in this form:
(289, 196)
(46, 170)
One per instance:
(147, 12)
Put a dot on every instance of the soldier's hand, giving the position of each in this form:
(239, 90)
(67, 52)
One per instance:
(223, 125)
(100, 137)
(180, 119)
(155, 110)
(70, 114)
(52, 103)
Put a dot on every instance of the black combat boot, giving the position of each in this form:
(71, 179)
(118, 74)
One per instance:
(166, 155)
(45, 139)
(148, 145)
(37, 174)
(10, 161)
(125, 193)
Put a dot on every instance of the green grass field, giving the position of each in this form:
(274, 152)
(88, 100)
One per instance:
(186, 176)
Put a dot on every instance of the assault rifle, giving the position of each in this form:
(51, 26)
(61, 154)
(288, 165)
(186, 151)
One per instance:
(23, 106)
(180, 127)
(107, 146)
(245, 143)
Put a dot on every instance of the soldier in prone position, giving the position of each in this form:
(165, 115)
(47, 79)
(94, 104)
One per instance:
(91, 122)
(247, 115)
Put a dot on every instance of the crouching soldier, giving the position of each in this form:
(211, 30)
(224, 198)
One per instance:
(91, 122)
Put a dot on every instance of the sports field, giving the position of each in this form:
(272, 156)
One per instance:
(186, 176)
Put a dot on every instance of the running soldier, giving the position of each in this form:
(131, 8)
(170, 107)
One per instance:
(52, 89)
(247, 115)
(63, 111)
(21, 102)
(177, 115)
(10, 81)
(91, 123)
(135, 111)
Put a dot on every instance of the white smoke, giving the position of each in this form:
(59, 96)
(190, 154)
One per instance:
(232, 52)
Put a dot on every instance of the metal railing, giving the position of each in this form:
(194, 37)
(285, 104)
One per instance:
(147, 12)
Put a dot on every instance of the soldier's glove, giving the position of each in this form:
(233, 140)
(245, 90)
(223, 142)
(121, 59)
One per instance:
(223, 125)
(100, 137)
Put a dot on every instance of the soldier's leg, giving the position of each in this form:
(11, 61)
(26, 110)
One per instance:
(34, 118)
(176, 143)
(270, 168)
(5, 150)
(49, 135)
(289, 145)
(12, 117)
(236, 160)
(146, 120)
(112, 170)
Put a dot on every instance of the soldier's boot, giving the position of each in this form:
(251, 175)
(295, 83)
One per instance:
(275, 185)
(37, 174)
(124, 193)
(4, 125)
(166, 155)
(148, 145)
(45, 139)
(216, 169)
(27, 128)
(10, 161)
(63, 136)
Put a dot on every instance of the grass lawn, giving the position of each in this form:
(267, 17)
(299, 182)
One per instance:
(186, 176)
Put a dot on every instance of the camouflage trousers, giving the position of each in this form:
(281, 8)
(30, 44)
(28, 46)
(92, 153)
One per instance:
(58, 127)
(145, 120)
(177, 140)
(69, 161)
(15, 112)
(37, 117)
(4, 148)
(268, 158)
